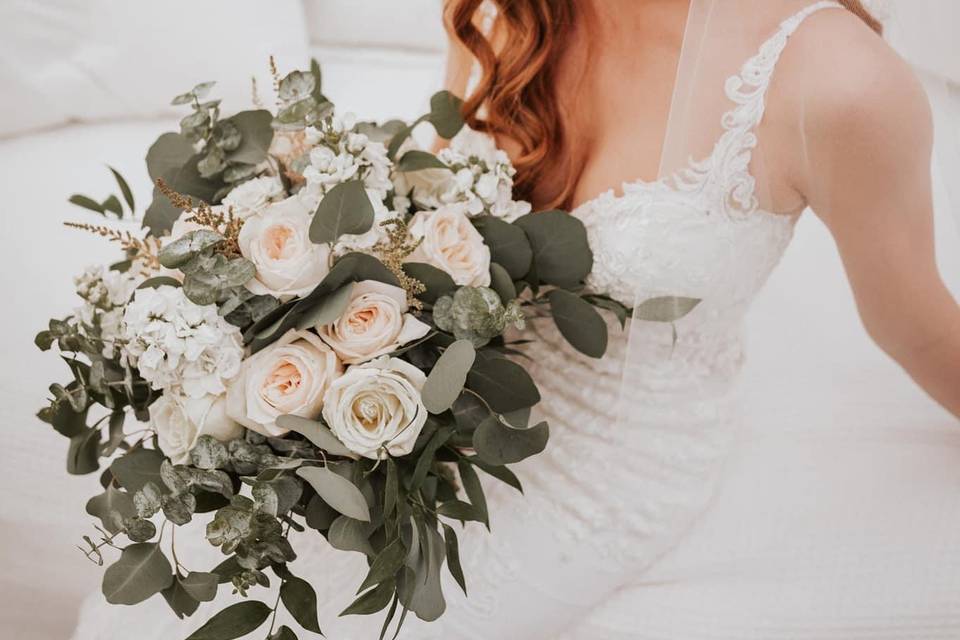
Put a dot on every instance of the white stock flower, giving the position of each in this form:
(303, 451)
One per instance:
(179, 421)
(288, 377)
(341, 155)
(481, 178)
(105, 293)
(178, 344)
(277, 241)
(253, 196)
(450, 242)
(377, 406)
(374, 323)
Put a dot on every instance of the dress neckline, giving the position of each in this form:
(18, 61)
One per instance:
(745, 115)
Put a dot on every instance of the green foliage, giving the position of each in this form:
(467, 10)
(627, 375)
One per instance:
(476, 314)
(508, 243)
(446, 379)
(561, 253)
(578, 322)
(111, 204)
(317, 433)
(209, 276)
(416, 160)
(346, 209)
(300, 600)
(665, 309)
(503, 384)
(499, 443)
(438, 283)
(235, 621)
(337, 491)
(302, 102)
(352, 267)
(141, 572)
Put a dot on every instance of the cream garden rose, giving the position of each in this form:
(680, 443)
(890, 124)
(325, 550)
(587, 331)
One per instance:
(451, 243)
(375, 322)
(288, 377)
(376, 407)
(277, 242)
(180, 420)
(253, 196)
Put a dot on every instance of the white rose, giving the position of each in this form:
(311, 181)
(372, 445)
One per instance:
(288, 377)
(277, 241)
(253, 196)
(180, 421)
(452, 244)
(374, 323)
(377, 406)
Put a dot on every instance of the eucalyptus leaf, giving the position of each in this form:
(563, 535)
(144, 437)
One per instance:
(319, 514)
(170, 151)
(181, 602)
(509, 246)
(184, 249)
(448, 376)
(345, 209)
(578, 322)
(445, 114)
(504, 384)
(316, 432)
(84, 452)
(125, 190)
(141, 572)
(499, 444)
(86, 203)
(453, 556)
(159, 281)
(138, 467)
(437, 282)
(284, 633)
(200, 585)
(665, 309)
(348, 534)
(337, 491)
(235, 621)
(372, 601)
(301, 601)
(110, 505)
(416, 160)
(257, 133)
(385, 565)
(474, 490)
(501, 282)
(561, 252)
(112, 204)
(328, 310)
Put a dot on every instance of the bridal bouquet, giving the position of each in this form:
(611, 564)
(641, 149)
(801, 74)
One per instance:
(308, 338)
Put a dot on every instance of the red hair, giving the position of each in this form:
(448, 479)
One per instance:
(516, 89)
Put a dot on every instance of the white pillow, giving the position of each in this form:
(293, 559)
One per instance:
(83, 60)
(397, 24)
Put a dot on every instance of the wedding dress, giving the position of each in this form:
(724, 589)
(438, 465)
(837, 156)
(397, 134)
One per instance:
(650, 529)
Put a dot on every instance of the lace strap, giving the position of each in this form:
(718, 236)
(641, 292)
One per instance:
(747, 90)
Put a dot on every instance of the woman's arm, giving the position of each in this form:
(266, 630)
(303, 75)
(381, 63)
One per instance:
(868, 139)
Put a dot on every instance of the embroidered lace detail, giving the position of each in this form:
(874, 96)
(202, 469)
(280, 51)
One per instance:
(726, 171)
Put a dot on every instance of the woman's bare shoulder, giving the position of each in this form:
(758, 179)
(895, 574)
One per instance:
(848, 80)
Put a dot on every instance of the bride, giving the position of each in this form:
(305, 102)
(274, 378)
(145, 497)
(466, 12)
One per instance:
(721, 120)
